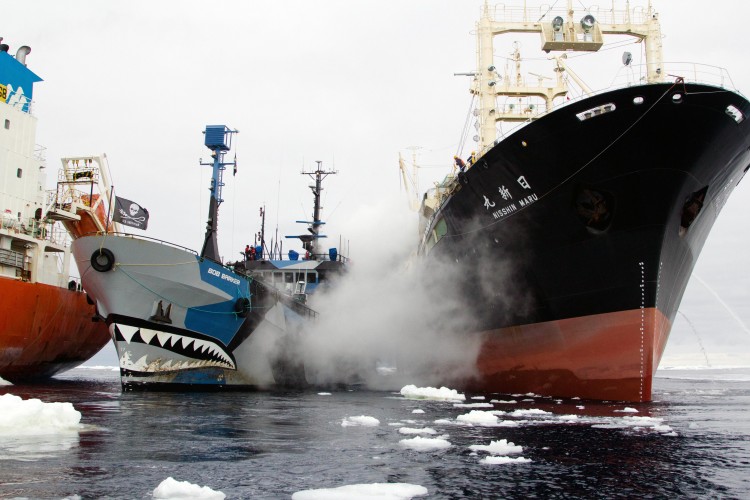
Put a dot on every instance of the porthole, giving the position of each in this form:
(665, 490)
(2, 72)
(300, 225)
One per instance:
(638, 100)
(676, 98)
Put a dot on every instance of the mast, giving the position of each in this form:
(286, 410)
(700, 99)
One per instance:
(262, 233)
(219, 141)
(560, 31)
(308, 240)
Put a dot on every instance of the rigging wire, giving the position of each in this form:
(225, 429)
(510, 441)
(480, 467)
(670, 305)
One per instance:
(576, 172)
(548, 11)
(465, 130)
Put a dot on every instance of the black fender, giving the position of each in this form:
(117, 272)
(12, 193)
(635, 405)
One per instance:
(102, 260)
(242, 307)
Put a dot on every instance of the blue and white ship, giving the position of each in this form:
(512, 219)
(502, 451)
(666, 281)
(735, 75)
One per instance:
(297, 275)
(181, 319)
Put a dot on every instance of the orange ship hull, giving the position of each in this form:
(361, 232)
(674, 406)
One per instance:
(45, 330)
(604, 356)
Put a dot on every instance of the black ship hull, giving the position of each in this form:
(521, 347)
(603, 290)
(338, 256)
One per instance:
(576, 235)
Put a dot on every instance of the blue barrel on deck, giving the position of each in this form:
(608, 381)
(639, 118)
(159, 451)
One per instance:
(293, 255)
(333, 254)
(259, 252)
(216, 137)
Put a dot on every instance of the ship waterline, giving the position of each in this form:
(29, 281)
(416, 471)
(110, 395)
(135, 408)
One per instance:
(603, 356)
(46, 330)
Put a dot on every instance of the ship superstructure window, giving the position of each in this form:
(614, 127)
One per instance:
(440, 230)
(597, 111)
(288, 277)
(735, 113)
(7, 124)
(311, 278)
(277, 276)
(19, 173)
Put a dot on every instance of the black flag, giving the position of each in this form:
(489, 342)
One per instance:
(130, 213)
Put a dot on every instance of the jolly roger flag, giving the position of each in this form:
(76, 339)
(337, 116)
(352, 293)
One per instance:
(130, 213)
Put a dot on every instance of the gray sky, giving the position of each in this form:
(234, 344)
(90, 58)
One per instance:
(348, 83)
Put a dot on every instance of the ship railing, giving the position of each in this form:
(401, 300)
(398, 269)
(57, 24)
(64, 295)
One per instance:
(140, 237)
(628, 77)
(286, 299)
(691, 72)
(319, 257)
(533, 14)
(40, 153)
(12, 258)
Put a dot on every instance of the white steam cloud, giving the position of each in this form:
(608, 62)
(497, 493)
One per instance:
(389, 320)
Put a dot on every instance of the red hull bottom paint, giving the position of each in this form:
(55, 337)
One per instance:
(44, 330)
(609, 356)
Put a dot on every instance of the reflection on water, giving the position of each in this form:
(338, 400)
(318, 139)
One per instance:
(694, 440)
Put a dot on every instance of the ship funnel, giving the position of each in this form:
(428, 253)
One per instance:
(4, 46)
(21, 54)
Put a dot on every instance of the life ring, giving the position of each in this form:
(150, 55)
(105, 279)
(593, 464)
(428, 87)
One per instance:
(102, 260)
(242, 307)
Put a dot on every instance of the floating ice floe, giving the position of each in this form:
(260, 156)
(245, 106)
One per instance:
(4, 382)
(651, 424)
(472, 405)
(324, 394)
(442, 394)
(502, 447)
(411, 430)
(361, 420)
(529, 412)
(627, 409)
(504, 460)
(417, 411)
(478, 417)
(425, 444)
(501, 402)
(29, 417)
(172, 489)
(373, 491)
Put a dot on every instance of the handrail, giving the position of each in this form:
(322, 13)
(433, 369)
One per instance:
(139, 237)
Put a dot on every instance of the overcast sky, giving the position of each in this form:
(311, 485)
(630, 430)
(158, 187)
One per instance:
(351, 83)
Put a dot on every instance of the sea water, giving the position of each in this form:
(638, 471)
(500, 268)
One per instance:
(693, 440)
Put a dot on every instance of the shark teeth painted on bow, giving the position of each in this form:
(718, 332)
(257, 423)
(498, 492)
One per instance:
(195, 353)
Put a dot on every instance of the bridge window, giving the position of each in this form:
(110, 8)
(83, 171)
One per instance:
(19, 173)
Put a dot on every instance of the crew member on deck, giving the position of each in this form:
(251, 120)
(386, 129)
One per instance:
(247, 252)
(459, 163)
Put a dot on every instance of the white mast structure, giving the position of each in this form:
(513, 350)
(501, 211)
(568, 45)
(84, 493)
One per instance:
(559, 34)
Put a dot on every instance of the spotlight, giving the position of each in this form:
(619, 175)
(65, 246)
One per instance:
(587, 22)
(557, 23)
